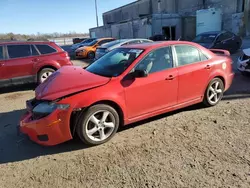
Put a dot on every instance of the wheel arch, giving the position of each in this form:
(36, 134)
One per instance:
(222, 79)
(213, 77)
(44, 67)
(74, 119)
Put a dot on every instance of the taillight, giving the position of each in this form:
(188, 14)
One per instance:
(65, 55)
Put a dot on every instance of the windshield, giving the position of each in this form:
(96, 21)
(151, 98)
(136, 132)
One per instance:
(115, 62)
(87, 41)
(92, 43)
(205, 38)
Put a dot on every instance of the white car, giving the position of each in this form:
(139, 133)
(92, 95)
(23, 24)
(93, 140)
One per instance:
(244, 61)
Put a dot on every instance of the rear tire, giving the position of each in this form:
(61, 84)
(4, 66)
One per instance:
(44, 74)
(214, 92)
(98, 124)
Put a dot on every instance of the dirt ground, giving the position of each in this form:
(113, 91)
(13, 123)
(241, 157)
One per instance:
(193, 147)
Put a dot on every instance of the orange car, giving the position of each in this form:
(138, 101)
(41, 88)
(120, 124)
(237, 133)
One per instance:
(88, 51)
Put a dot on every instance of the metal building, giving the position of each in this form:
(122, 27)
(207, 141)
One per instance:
(173, 18)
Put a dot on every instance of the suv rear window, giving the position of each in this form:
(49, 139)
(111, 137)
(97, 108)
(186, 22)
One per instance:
(34, 51)
(45, 49)
(17, 51)
(1, 52)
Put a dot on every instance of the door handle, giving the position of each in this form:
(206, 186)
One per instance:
(208, 67)
(170, 77)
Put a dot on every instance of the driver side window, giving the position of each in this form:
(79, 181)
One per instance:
(156, 61)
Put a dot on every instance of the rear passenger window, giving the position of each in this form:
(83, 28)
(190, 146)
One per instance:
(34, 51)
(203, 57)
(1, 53)
(45, 49)
(187, 55)
(18, 51)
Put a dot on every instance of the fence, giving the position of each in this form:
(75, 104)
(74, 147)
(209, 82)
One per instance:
(63, 41)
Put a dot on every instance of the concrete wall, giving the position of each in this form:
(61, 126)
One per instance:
(122, 31)
(129, 12)
(126, 21)
(100, 32)
(237, 23)
(165, 20)
(188, 28)
(228, 8)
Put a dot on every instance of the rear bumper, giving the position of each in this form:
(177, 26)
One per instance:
(229, 81)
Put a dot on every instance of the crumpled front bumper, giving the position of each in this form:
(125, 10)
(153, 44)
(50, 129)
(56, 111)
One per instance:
(48, 131)
(243, 65)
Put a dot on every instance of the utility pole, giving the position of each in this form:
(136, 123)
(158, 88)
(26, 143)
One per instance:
(96, 13)
(246, 16)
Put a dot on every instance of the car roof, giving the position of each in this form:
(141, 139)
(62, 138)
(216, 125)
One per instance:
(26, 42)
(99, 39)
(121, 41)
(157, 44)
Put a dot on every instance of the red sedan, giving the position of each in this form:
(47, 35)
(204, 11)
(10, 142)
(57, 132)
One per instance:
(126, 85)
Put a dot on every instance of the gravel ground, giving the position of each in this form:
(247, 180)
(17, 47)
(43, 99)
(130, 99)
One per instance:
(193, 147)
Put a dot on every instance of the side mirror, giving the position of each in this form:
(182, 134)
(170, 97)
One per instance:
(140, 73)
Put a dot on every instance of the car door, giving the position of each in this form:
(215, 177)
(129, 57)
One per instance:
(19, 63)
(3, 73)
(193, 69)
(156, 91)
(224, 42)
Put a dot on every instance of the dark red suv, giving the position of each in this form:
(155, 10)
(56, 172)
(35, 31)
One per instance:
(28, 62)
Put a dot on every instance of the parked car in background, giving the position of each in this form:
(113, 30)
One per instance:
(159, 38)
(244, 62)
(129, 84)
(105, 48)
(88, 51)
(81, 44)
(28, 62)
(78, 40)
(219, 40)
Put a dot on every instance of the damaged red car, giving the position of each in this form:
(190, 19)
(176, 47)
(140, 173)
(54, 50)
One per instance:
(128, 84)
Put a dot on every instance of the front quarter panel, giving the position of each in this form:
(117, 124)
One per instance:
(113, 92)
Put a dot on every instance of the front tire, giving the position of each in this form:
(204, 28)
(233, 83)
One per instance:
(44, 74)
(91, 55)
(98, 124)
(214, 92)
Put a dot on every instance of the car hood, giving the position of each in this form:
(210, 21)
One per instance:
(82, 48)
(68, 80)
(247, 51)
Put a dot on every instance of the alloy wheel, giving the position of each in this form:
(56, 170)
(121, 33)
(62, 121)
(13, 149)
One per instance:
(100, 125)
(215, 92)
(45, 75)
